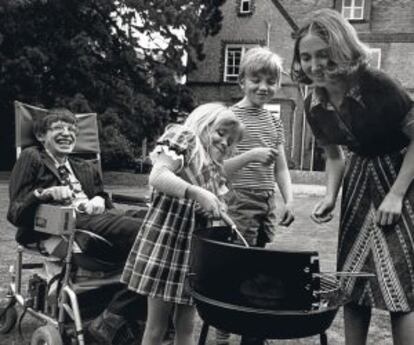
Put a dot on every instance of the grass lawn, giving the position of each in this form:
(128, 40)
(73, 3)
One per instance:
(303, 234)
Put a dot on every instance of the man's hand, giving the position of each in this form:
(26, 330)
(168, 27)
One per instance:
(94, 206)
(56, 193)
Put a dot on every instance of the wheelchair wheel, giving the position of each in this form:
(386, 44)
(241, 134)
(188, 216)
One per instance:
(7, 320)
(46, 335)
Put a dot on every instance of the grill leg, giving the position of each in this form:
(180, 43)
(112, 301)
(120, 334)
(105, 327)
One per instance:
(324, 339)
(203, 334)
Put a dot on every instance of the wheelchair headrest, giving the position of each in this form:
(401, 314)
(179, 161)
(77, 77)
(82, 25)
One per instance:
(87, 140)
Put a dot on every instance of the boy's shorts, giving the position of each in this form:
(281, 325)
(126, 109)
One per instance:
(254, 212)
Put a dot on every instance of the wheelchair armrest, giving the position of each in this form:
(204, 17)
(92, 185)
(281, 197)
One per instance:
(55, 219)
(130, 200)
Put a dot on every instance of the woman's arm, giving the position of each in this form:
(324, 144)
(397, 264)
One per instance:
(390, 208)
(335, 166)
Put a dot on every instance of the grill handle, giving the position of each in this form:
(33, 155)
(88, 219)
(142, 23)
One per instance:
(345, 274)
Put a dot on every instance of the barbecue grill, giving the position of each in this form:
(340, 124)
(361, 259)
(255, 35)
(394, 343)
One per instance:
(259, 292)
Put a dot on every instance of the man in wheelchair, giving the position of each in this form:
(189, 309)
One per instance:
(48, 174)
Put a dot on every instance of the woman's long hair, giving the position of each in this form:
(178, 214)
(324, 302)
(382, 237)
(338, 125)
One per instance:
(346, 52)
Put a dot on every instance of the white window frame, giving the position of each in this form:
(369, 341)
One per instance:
(249, 5)
(232, 77)
(352, 9)
(373, 52)
(274, 109)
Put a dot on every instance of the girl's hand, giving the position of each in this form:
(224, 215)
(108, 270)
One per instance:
(207, 200)
(287, 216)
(264, 155)
(322, 213)
(390, 210)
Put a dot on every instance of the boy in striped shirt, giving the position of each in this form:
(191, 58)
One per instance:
(252, 204)
(252, 201)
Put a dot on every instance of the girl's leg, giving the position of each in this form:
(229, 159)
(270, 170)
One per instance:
(184, 324)
(157, 321)
(402, 328)
(356, 319)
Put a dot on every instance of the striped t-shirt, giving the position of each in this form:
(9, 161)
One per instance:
(262, 129)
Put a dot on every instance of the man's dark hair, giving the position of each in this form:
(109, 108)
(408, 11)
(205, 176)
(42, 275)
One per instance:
(43, 123)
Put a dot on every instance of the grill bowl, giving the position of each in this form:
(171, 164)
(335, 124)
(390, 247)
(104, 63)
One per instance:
(264, 323)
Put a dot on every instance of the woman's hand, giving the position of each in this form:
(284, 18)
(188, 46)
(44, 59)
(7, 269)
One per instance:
(287, 216)
(322, 213)
(390, 210)
(207, 200)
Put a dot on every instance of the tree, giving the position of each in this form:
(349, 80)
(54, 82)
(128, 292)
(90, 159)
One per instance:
(86, 55)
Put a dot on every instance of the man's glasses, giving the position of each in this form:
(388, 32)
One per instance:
(63, 127)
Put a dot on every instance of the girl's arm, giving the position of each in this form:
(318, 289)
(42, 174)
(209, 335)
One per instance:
(164, 180)
(335, 166)
(390, 208)
(284, 182)
(264, 155)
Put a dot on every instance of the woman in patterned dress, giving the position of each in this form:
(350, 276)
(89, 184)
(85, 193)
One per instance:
(365, 110)
(187, 176)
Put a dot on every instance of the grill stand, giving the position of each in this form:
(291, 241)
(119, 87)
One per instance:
(202, 340)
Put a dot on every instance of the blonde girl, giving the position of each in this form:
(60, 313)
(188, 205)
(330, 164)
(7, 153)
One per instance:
(187, 174)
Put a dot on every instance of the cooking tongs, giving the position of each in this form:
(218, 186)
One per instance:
(233, 227)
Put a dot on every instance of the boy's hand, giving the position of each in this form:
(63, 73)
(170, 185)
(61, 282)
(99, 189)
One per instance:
(264, 155)
(207, 200)
(287, 216)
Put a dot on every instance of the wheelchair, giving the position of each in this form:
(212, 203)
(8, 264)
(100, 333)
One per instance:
(58, 290)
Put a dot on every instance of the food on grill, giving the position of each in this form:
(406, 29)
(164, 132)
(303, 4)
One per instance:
(263, 290)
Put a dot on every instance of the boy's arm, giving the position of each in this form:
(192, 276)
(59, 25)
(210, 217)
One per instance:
(262, 155)
(284, 182)
(282, 176)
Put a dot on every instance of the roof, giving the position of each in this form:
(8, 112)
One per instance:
(286, 15)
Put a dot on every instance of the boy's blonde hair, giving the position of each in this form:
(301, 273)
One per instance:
(202, 121)
(346, 52)
(261, 60)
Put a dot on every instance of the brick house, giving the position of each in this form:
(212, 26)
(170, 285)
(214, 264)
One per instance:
(387, 26)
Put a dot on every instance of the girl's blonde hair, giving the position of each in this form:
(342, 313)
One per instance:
(347, 53)
(261, 60)
(202, 121)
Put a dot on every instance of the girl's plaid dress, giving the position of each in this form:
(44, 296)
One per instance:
(159, 260)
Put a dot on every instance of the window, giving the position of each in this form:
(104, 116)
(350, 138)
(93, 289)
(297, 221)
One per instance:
(232, 60)
(233, 54)
(353, 9)
(375, 58)
(245, 6)
(274, 109)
